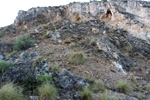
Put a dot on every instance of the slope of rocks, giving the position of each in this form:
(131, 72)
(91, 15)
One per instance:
(114, 37)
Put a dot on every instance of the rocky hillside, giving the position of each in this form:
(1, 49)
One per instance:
(80, 51)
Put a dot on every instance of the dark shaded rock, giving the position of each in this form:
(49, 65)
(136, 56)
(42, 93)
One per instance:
(140, 46)
(6, 47)
(17, 73)
(68, 95)
(68, 81)
(69, 85)
(7, 29)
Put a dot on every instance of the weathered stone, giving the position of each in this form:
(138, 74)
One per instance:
(17, 73)
(2, 56)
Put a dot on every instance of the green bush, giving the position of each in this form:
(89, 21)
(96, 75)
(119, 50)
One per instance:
(32, 82)
(23, 43)
(45, 78)
(4, 65)
(86, 94)
(77, 58)
(9, 92)
(47, 92)
(124, 86)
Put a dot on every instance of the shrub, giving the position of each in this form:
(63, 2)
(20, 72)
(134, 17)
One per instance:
(9, 92)
(45, 78)
(96, 87)
(32, 82)
(86, 94)
(23, 43)
(4, 65)
(133, 79)
(124, 86)
(77, 58)
(47, 92)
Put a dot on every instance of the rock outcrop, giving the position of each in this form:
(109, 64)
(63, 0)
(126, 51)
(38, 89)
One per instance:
(129, 15)
(114, 36)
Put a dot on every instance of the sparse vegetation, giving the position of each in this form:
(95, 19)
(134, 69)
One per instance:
(139, 89)
(86, 94)
(45, 26)
(23, 43)
(55, 68)
(93, 43)
(77, 58)
(124, 86)
(9, 92)
(96, 87)
(32, 82)
(47, 92)
(106, 96)
(139, 96)
(72, 45)
(37, 60)
(45, 36)
(89, 79)
(4, 65)
(45, 78)
(10, 54)
(49, 52)
(1, 35)
(133, 79)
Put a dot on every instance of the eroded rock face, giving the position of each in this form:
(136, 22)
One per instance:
(130, 15)
(112, 34)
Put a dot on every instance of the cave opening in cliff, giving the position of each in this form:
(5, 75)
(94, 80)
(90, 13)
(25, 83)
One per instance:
(108, 13)
(107, 16)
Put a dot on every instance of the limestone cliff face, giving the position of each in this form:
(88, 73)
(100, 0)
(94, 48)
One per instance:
(133, 16)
